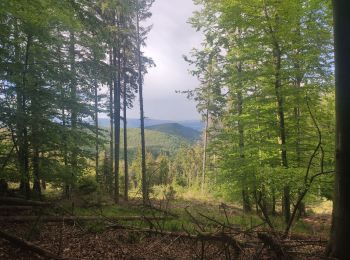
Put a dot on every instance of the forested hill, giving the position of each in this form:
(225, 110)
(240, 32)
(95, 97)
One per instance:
(156, 142)
(177, 130)
(135, 123)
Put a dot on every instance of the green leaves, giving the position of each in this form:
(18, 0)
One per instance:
(265, 57)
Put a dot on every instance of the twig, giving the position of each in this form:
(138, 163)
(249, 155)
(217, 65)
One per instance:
(29, 246)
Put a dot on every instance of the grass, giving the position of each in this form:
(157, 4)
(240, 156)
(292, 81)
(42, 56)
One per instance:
(322, 207)
(202, 208)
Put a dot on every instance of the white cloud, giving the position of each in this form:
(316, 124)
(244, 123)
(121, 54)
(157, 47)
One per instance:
(170, 38)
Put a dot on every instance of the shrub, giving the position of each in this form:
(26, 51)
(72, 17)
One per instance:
(87, 184)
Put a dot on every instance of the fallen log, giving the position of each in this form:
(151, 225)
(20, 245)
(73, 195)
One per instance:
(21, 219)
(166, 212)
(222, 237)
(15, 208)
(274, 244)
(22, 202)
(19, 242)
(153, 231)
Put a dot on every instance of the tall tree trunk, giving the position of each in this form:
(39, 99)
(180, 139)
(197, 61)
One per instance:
(125, 127)
(22, 124)
(277, 59)
(297, 115)
(36, 171)
(74, 113)
(117, 85)
(65, 152)
(282, 131)
(35, 141)
(205, 146)
(142, 117)
(245, 192)
(111, 139)
(126, 170)
(339, 238)
(297, 112)
(96, 133)
(64, 137)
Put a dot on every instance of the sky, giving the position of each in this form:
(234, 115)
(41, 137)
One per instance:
(170, 38)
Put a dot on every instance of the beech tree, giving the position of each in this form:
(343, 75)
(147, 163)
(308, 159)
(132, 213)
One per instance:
(338, 246)
(271, 63)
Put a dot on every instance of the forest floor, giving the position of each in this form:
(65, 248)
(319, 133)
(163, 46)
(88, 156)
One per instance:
(194, 229)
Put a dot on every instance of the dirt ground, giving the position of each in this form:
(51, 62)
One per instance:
(69, 241)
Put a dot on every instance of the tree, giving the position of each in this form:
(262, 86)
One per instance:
(51, 94)
(270, 62)
(341, 212)
(142, 12)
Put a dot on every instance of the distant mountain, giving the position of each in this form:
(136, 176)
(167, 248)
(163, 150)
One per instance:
(135, 123)
(195, 124)
(156, 143)
(176, 129)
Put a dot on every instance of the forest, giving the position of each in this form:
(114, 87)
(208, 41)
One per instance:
(263, 176)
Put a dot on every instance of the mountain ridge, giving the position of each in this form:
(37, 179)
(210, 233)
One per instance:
(135, 123)
(177, 130)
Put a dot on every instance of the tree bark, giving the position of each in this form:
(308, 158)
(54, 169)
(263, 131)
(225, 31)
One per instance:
(30, 246)
(125, 128)
(142, 116)
(282, 130)
(111, 122)
(35, 141)
(205, 146)
(117, 85)
(96, 133)
(277, 60)
(74, 113)
(339, 238)
(245, 192)
(22, 134)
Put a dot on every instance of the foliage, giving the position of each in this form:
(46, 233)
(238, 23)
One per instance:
(267, 84)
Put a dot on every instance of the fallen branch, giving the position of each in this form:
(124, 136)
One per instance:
(224, 238)
(217, 237)
(15, 208)
(22, 202)
(73, 218)
(30, 246)
(274, 244)
(166, 212)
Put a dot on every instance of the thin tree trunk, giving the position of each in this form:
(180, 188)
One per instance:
(282, 131)
(277, 56)
(96, 133)
(297, 115)
(273, 209)
(19, 112)
(64, 137)
(125, 107)
(245, 192)
(142, 118)
(205, 146)
(22, 126)
(111, 114)
(36, 142)
(126, 170)
(74, 114)
(65, 155)
(339, 238)
(117, 85)
(36, 172)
